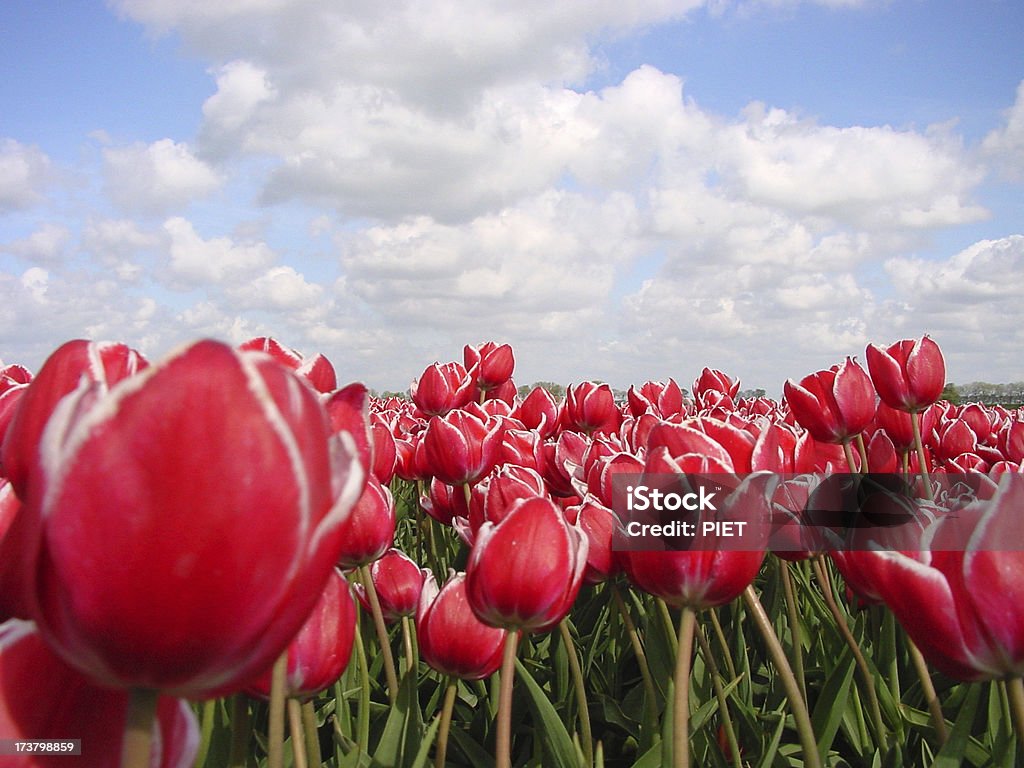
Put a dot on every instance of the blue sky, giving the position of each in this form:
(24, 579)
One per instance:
(621, 193)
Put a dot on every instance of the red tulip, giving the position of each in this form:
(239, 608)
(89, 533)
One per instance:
(442, 388)
(539, 412)
(662, 399)
(1011, 441)
(41, 697)
(591, 408)
(713, 387)
(461, 448)
(398, 581)
(444, 503)
(525, 572)
(834, 405)
(370, 530)
(961, 596)
(186, 521)
(317, 370)
(105, 363)
(490, 364)
(320, 652)
(452, 639)
(910, 375)
(598, 523)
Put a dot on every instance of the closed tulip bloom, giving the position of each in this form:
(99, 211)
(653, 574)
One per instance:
(451, 638)
(104, 363)
(491, 364)
(910, 375)
(317, 370)
(598, 522)
(398, 582)
(461, 448)
(41, 697)
(320, 652)
(664, 399)
(834, 405)
(370, 530)
(525, 572)
(186, 520)
(591, 408)
(539, 412)
(713, 387)
(442, 388)
(961, 595)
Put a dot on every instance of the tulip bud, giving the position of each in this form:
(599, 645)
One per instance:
(452, 639)
(525, 572)
(398, 582)
(491, 364)
(461, 448)
(442, 388)
(910, 375)
(539, 412)
(370, 530)
(591, 408)
(319, 653)
(834, 405)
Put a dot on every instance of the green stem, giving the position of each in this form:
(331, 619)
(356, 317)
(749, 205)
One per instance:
(915, 422)
(796, 701)
(641, 655)
(723, 644)
(723, 704)
(862, 665)
(795, 632)
(681, 690)
(363, 719)
(410, 659)
(382, 631)
(848, 453)
(241, 731)
(299, 756)
(503, 737)
(209, 711)
(1015, 691)
(275, 728)
(667, 623)
(931, 697)
(863, 451)
(446, 723)
(312, 734)
(581, 692)
(138, 728)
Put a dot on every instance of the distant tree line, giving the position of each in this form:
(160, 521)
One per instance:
(1007, 395)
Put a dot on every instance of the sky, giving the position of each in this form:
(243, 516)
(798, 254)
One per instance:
(622, 191)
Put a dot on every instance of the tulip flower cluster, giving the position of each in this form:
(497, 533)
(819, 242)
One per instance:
(198, 526)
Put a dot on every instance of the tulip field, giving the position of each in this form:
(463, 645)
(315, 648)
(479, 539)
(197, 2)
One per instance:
(227, 558)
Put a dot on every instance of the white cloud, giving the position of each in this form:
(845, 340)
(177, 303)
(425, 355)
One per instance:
(196, 262)
(47, 245)
(1005, 144)
(157, 178)
(279, 288)
(24, 172)
(118, 244)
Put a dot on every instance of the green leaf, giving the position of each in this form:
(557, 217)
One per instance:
(403, 731)
(555, 739)
(828, 712)
(954, 751)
